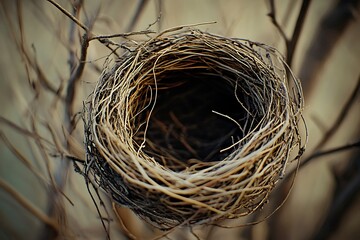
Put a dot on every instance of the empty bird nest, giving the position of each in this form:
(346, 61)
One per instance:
(187, 127)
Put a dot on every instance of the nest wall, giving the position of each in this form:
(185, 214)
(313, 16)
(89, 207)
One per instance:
(187, 127)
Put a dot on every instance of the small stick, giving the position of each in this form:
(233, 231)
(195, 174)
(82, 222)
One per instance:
(69, 15)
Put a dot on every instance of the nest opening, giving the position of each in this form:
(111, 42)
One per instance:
(195, 117)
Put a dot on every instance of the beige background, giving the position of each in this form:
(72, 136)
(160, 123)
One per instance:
(47, 30)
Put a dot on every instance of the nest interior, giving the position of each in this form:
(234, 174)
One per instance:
(190, 128)
(184, 126)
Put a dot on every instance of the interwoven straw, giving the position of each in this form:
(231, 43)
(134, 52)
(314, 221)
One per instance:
(187, 127)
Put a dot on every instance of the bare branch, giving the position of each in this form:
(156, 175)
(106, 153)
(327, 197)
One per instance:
(123, 35)
(69, 15)
(22, 130)
(297, 30)
(290, 42)
(342, 201)
(139, 10)
(328, 34)
(344, 112)
(44, 81)
(333, 150)
(121, 223)
(72, 31)
(74, 79)
(28, 206)
(22, 158)
(272, 15)
(20, 44)
(332, 130)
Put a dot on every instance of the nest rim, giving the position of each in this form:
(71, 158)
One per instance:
(191, 195)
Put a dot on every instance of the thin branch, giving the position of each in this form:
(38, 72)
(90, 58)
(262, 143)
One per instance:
(69, 15)
(88, 184)
(328, 34)
(139, 10)
(297, 31)
(272, 15)
(343, 113)
(20, 44)
(68, 157)
(44, 81)
(340, 204)
(290, 42)
(23, 130)
(313, 156)
(121, 223)
(55, 207)
(72, 31)
(333, 150)
(22, 158)
(193, 233)
(159, 7)
(332, 130)
(28, 206)
(123, 35)
(324, 153)
(74, 79)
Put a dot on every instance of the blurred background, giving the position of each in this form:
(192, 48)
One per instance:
(42, 197)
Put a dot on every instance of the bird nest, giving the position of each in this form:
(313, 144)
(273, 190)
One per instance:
(190, 128)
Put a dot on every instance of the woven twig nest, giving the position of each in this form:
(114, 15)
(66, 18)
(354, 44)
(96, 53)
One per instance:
(190, 128)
